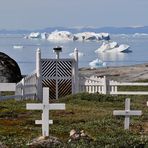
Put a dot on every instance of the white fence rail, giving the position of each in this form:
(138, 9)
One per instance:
(4, 87)
(27, 87)
(95, 84)
(114, 85)
(7, 86)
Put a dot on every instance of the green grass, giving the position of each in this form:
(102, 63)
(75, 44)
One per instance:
(89, 112)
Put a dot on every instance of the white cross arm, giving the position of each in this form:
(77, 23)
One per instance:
(39, 106)
(57, 106)
(34, 106)
(41, 122)
(127, 113)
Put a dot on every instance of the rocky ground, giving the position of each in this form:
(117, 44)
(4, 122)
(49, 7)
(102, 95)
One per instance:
(122, 74)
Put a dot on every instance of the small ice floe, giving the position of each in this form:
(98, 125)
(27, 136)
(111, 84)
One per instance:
(80, 54)
(34, 35)
(18, 46)
(97, 63)
(113, 47)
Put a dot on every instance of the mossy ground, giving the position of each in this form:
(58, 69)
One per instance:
(92, 113)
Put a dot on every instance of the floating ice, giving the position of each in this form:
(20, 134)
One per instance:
(34, 35)
(113, 47)
(91, 36)
(68, 36)
(80, 54)
(60, 36)
(97, 63)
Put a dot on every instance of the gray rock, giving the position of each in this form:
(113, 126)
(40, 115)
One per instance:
(2, 145)
(9, 70)
(46, 142)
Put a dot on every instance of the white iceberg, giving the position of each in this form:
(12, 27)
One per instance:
(37, 35)
(34, 35)
(80, 54)
(44, 35)
(91, 36)
(18, 46)
(113, 47)
(60, 36)
(97, 63)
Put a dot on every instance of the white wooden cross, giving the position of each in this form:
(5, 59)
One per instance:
(45, 106)
(127, 113)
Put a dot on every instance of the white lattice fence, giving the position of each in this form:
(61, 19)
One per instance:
(102, 85)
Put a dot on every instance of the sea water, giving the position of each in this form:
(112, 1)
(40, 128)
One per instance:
(25, 57)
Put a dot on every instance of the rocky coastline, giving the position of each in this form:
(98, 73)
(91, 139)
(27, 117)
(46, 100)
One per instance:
(122, 74)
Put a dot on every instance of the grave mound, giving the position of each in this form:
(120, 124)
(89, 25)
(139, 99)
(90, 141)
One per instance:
(2, 145)
(9, 70)
(46, 142)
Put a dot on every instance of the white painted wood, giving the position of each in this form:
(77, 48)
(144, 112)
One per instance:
(127, 113)
(45, 106)
(40, 122)
(111, 87)
(38, 73)
(7, 86)
(76, 78)
(127, 84)
(129, 93)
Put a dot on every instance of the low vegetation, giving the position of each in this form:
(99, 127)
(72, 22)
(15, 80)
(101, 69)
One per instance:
(92, 113)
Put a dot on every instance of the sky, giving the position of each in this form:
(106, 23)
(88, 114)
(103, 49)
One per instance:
(39, 14)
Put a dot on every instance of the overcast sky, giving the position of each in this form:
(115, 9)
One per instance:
(38, 14)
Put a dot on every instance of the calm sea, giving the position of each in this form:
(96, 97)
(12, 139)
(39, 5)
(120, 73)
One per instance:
(26, 57)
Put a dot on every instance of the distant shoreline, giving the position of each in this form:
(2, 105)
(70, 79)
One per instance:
(120, 73)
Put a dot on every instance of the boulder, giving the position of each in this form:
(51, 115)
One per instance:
(79, 135)
(46, 142)
(2, 145)
(9, 70)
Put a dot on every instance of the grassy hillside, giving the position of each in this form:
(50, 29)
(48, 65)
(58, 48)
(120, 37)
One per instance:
(92, 113)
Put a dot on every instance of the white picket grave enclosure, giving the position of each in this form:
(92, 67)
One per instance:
(95, 84)
(60, 75)
(62, 78)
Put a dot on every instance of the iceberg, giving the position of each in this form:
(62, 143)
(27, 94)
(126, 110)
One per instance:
(113, 47)
(80, 54)
(97, 63)
(37, 35)
(68, 36)
(91, 36)
(60, 36)
(34, 35)
(44, 35)
(18, 46)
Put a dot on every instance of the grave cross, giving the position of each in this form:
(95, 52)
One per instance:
(127, 113)
(45, 106)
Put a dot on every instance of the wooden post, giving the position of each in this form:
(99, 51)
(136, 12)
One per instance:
(76, 73)
(104, 85)
(39, 74)
(23, 88)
